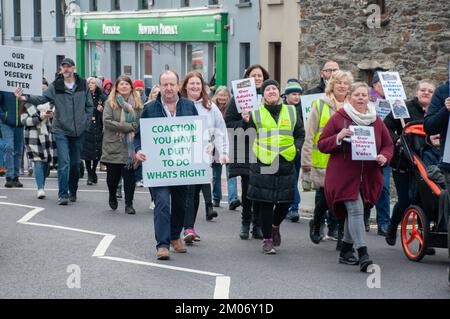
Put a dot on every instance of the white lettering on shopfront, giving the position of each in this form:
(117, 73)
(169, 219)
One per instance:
(107, 29)
(160, 29)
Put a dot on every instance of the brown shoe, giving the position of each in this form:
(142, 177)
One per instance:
(163, 254)
(178, 246)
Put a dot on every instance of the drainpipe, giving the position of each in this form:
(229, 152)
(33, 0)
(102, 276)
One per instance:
(3, 19)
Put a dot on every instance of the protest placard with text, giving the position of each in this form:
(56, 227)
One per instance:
(245, 95)
(363, 143)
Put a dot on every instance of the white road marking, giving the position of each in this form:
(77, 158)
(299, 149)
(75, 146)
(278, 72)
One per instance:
(222, 290)
(222, 286)
(3, 197)
(55, 190)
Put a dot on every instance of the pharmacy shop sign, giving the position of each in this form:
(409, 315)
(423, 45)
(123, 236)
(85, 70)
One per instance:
(21, 68)
(176, 151)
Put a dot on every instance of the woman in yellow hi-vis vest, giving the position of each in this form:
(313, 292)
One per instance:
(279, 136)
(314, 162)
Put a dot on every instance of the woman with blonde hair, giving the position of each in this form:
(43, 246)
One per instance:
(120, 120)
(352, 186)
(313, 161)
(154, 93)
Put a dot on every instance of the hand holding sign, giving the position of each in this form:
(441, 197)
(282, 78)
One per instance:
(381, 160)
(140, 156)
(345, 132)
(246, 117)
(447, 103)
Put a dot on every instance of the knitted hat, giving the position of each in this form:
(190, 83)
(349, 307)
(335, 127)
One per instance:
(138, 84)
(268, 82)
(293, 87)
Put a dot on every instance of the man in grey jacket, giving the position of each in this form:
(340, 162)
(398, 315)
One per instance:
(73, 110)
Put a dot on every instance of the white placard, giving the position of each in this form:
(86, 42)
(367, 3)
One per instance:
(245, 96)
(21, 68)
(399, 109)
(363, 143)
(176, 151)
(383, 108)
(392, 86)
(307, 101)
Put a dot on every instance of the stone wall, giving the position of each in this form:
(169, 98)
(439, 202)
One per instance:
(415, 41)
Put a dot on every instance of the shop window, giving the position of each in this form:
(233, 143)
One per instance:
(146, 63)
(17, 19)
(195, 58)
(37, 18)
(96, 54)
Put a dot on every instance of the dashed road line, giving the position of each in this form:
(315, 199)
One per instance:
(222, 285)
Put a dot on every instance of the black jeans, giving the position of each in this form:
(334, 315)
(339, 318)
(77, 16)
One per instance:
(91, 166)
(272, 214)
(249, 216)
(404, 196)
(114, 172)
(193, 202)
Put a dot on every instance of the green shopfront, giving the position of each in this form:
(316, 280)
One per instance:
(144, 45)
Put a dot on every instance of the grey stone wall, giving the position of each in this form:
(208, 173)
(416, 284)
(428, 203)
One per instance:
(413, 39)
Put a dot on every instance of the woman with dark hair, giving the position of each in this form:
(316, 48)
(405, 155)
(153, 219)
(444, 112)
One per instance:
(240, 163)
(120, 120)
(91, 150)
(193, 88)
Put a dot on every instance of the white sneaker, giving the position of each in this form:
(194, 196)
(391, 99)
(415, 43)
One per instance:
(40, 194)
(139, 184)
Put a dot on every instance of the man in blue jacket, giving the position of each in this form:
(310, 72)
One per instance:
(436, 122)
(169, 201)
(12, 135)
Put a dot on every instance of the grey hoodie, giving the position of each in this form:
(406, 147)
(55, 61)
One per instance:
(73, 108)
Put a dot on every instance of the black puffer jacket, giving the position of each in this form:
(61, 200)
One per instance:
(416, 113)
(92, 143)
(278, 187)
(239, 156)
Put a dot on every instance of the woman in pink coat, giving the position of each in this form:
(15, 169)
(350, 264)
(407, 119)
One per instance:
(351, 186)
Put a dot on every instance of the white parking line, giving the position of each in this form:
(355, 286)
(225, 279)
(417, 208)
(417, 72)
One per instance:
(222, 285)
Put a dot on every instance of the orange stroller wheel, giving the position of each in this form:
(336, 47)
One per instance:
(415, 231)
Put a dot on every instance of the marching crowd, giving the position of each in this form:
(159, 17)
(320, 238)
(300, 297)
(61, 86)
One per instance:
(97, 121)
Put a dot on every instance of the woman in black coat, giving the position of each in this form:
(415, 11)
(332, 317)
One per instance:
(91, 150)
(240, 157)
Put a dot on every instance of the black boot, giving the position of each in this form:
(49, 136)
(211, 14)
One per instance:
(210, 213)
(391, 235)
(113, 202)
(340, 242)
(364, 259)
(89, 179)
(9, 183)
(257, 232)
(245, 231)
(314, 232)
(17, 183)
(129, 209)
(346, 255)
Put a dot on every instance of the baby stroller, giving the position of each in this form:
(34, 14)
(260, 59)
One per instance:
(425, 222)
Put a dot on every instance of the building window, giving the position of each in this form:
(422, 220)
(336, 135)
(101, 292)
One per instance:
(244, 56)
(59, 59)
(17, 19)
(196, 54)
(275, 60)
(60, 18)
(244, 3)
(213, 2)
(93, 6)
(143, 4)
(185, 3)
(116, 4)
(37, 19)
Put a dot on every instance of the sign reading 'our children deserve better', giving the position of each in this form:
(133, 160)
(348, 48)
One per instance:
(21, 68)
(176, 151)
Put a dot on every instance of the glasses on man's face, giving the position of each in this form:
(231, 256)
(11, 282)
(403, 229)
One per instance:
(330, 70)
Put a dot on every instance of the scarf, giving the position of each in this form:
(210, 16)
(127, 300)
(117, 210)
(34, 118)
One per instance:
(127, 115)
(359, 118)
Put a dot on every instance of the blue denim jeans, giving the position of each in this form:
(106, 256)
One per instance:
(40, 173)
(138, 174)
(2, 152)
(383, 205)
(68, 164)
(13, 148)
(297, 199)
(217, 183)
(168, 213)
